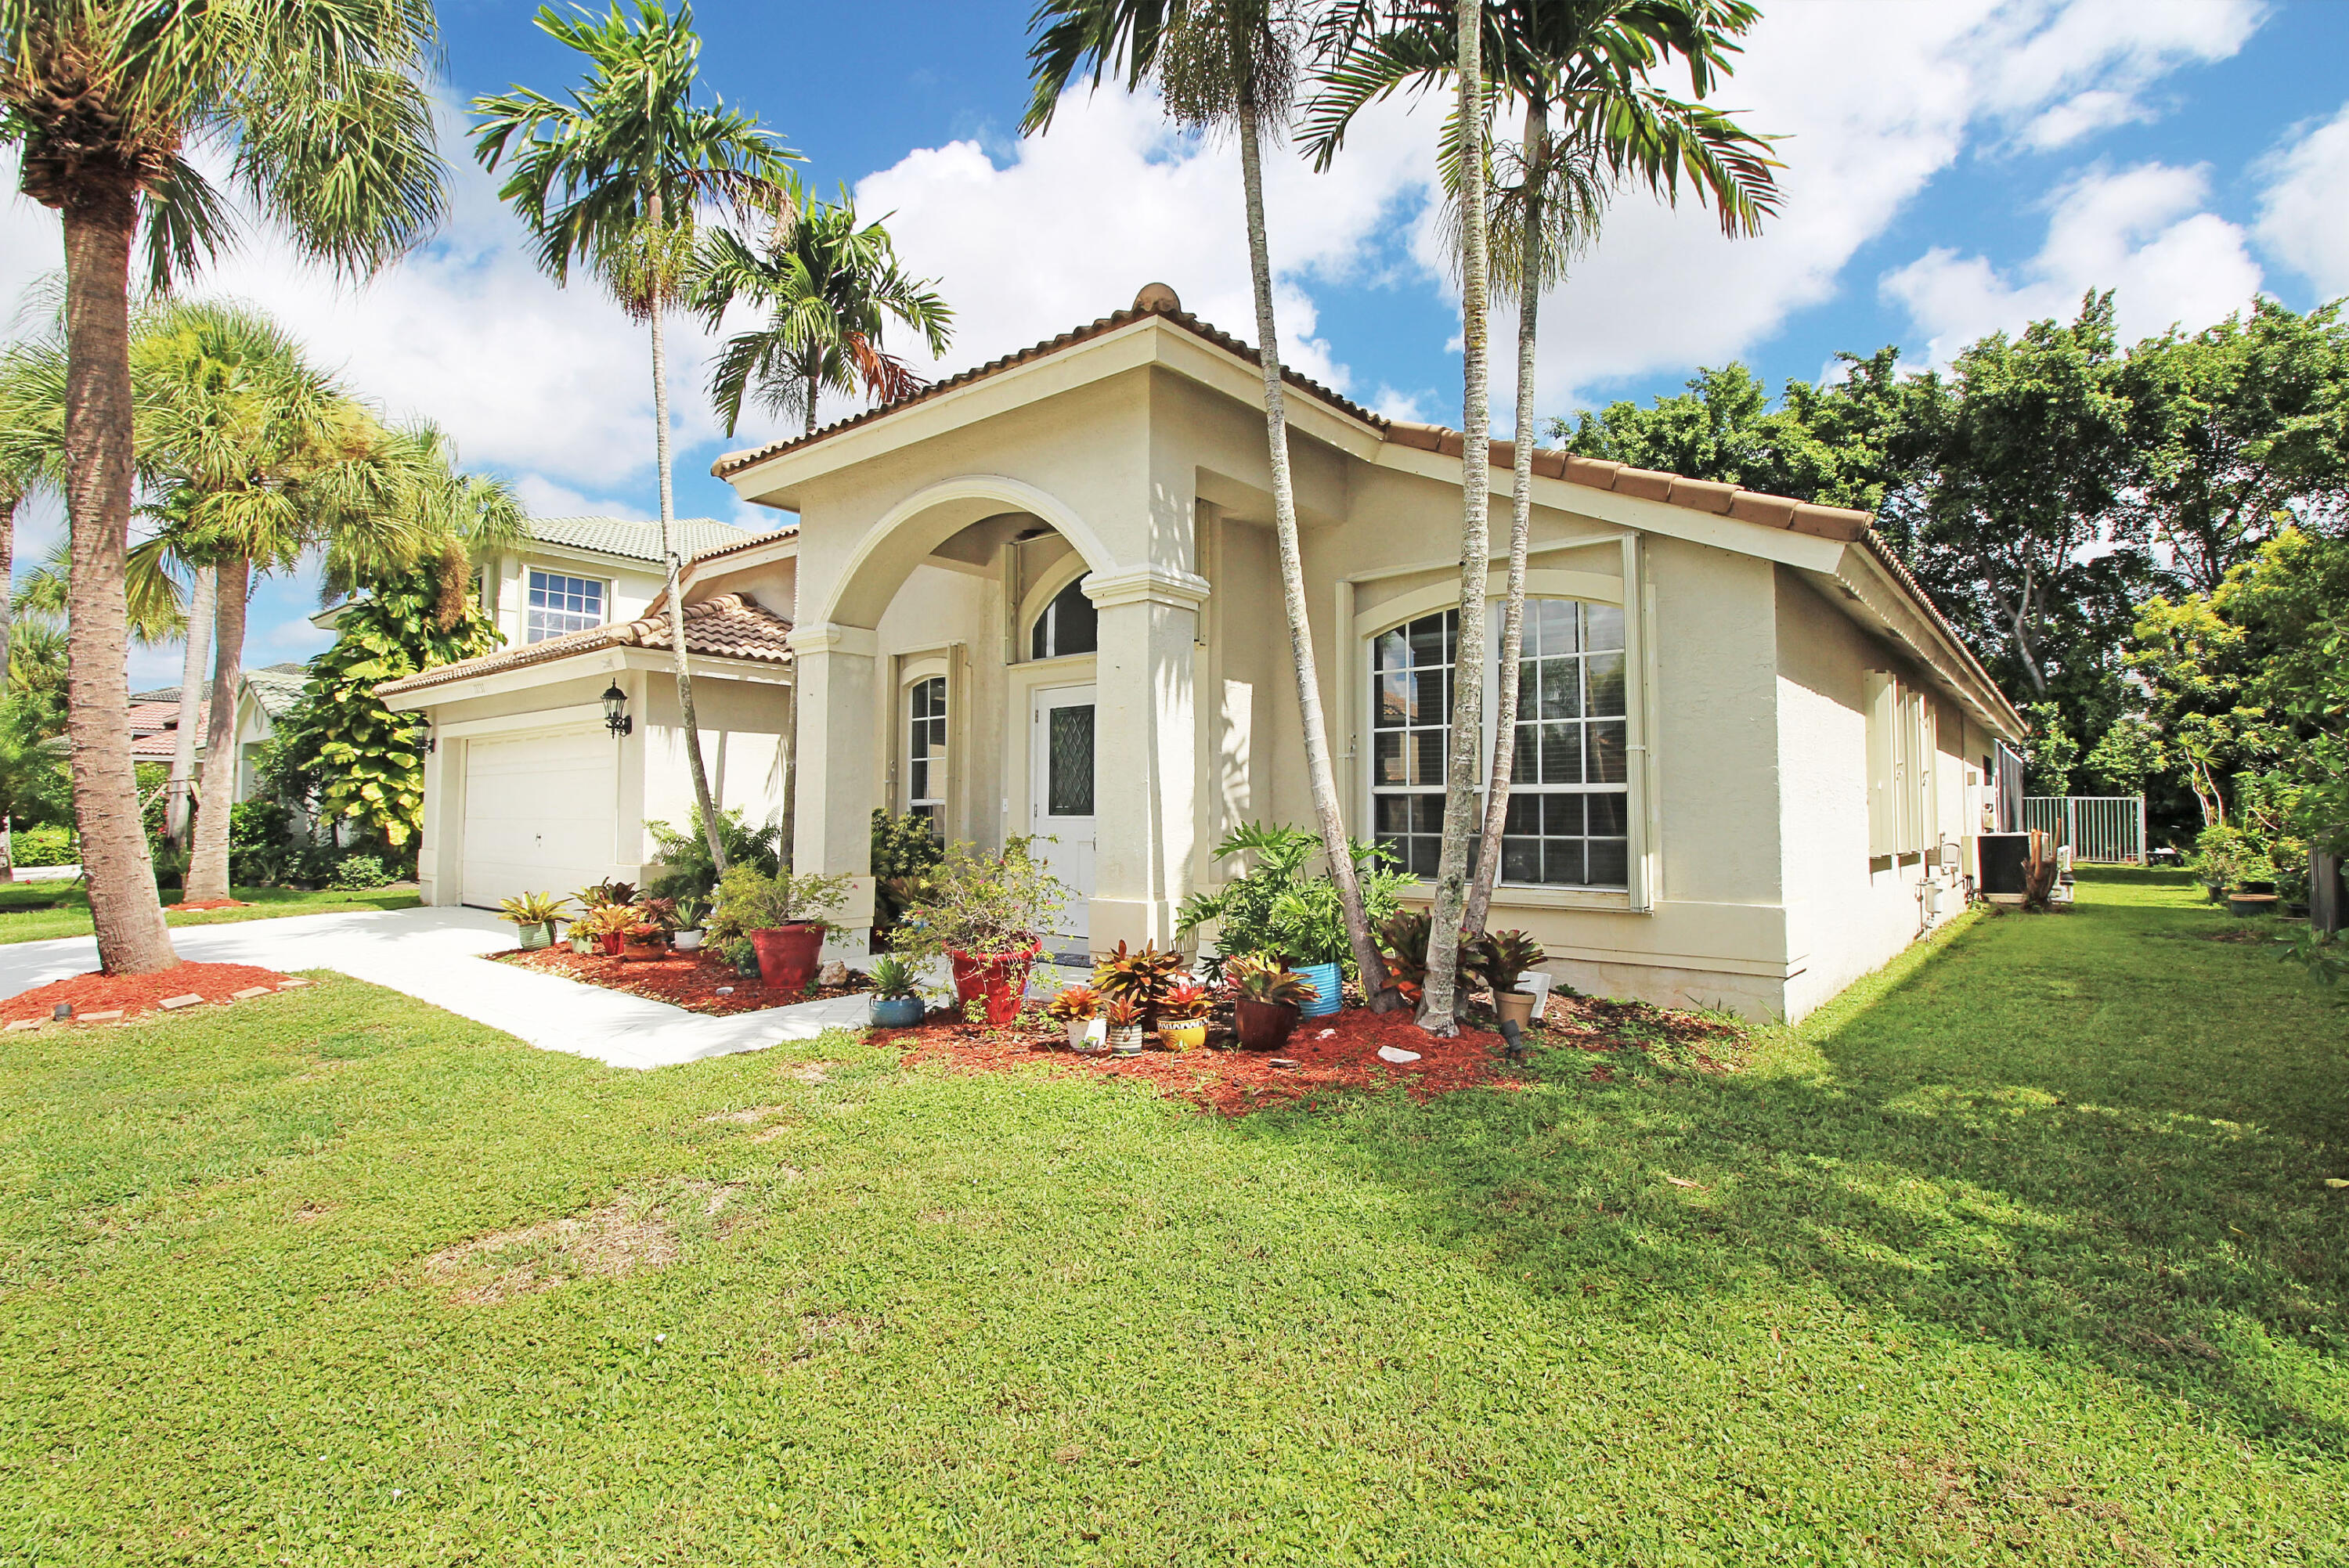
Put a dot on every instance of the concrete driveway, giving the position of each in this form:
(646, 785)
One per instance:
(434, 955)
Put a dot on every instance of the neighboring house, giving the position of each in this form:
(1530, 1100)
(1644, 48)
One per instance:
(263, 698)
(1042, 597)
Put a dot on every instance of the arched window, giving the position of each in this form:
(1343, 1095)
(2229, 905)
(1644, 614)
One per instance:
(925, 751)
(1069, 624)
(1568, 822)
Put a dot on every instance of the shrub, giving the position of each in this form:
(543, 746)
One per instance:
(1276, 910)
(904, 849)
(259, 825)
(975, 901)
(51, 844)
(283, 865)
(750, 899)
(2227, 857)
(359, 873)
(686, 869)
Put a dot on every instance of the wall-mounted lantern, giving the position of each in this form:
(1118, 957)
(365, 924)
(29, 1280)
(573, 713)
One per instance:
(424, 733)
(615, 711)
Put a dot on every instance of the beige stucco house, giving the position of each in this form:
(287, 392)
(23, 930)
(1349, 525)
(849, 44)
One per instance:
(1042, 597)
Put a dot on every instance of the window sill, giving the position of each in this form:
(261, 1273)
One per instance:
(1516, 895)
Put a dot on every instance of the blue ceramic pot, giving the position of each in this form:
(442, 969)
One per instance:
(1324, 979)
(896, 1012)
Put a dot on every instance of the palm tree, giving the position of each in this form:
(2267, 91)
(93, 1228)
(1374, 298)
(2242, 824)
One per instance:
(1227, 65)
(829, 288)
(320, 109)
(610, 181)
(1591, 60)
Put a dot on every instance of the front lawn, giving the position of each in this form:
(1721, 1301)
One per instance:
(2020, 1254)
(36, 911)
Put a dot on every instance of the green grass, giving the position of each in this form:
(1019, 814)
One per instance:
(2020, 1253)
(37, 910)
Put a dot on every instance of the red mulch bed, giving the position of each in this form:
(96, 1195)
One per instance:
(138, 994)
(208, 903)
(688, 980)
(1332, 1054)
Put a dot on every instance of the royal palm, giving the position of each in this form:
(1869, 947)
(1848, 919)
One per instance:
(319, 108)
(1226, 65)
(1586, 62)
(609, 180)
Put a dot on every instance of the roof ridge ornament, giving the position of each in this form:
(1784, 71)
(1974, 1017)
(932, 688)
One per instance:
(1160, 298)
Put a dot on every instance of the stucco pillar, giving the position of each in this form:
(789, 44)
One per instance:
(1146, 751)
(833, 829)
(439, 850)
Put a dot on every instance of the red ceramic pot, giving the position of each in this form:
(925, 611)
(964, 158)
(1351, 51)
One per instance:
(1000, 977)
(1263, 1026)
(788, 954)
(614, 942)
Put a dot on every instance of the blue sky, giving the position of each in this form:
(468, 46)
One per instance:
(1952, 166)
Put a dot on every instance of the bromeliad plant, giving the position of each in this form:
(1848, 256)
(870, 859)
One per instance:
(531, 909)
(1254, 979)
(1074, 1004)
(1403, 938)
(1145, 978)
(1506, 956)
(1183, 1003)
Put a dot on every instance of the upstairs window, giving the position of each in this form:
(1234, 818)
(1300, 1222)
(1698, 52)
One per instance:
(559, 605)
(1069, 624)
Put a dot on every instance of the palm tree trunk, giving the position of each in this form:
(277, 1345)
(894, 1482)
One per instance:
(132, 939)
(9, 501)
(191, 673)
(702, 803)
(815, 386)
(1437, 1003)
(208, 859)
(1320, 778)
(1521, 522)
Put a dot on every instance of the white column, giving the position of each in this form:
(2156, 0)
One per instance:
(833, 668)
(1147, 755)
(440, 851)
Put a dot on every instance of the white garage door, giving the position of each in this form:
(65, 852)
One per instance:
(539, 814)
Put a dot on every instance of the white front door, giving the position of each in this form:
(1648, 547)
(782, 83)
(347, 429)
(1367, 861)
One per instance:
(540, 815)
(1061, 799)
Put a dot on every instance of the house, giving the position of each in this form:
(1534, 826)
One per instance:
(1042, 597)
(262, 697)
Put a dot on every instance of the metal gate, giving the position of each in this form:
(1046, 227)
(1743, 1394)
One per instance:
(2105, 829)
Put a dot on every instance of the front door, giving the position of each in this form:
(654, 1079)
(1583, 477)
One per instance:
(1060, 799)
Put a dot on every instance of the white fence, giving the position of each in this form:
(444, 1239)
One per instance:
(2105, 829)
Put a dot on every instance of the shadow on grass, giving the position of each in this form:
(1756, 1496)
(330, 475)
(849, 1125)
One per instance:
(2059, 1134)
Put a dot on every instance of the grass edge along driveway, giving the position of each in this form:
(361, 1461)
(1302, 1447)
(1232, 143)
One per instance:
(2019, 1253)
(39, 911)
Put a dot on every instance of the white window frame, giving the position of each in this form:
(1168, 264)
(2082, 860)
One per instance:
(938, 729)
(603, 586)
(1903, 767)
(1626, 592)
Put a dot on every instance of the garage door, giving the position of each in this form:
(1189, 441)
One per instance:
(539, 814)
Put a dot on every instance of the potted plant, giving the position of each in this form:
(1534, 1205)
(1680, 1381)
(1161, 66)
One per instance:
(1266, 1000)
(1508, 954)
(533, 915)
(1124, 1018)
(782, 915)
(1183, 1017)
(896, 1000)
(986, 914)
(687, 937)
(1143, 977)
(1276, 910)
(741, 956)
(609, 925)
(1076, 1008)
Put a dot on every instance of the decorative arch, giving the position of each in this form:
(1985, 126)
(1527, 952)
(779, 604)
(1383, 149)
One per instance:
(891, 547)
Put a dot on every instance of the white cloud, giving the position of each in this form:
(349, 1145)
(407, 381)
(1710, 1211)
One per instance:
(1112, 198)
(1873, 100)
(2139, 231)
(541, 497)
(2303, 222)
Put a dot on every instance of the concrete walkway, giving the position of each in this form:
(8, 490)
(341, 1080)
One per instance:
(434, 955)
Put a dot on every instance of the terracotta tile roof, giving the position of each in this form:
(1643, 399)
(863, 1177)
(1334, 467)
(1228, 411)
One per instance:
(734, 462)
(723, 626)
(635, 539)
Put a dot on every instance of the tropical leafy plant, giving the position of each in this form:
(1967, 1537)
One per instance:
(687, 867)
(1405, 937)
(1276, 909)
(341, 747)
(2226, 858)
(689, 912)
(359, 873)
(903, 850)
(979, 901)
(1122, 1012)
(1257, 979)
(1073, 1004)
(610, 891)
(1508, 954)
(1183, 1003)
(750, 899)
(894, 978)
(1147, 976)
(535, 908)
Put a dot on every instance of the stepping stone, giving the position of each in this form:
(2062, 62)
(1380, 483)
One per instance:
(21, 1025)
(289, 984)
(249, 993)
(100, 1017)
(173, 1004)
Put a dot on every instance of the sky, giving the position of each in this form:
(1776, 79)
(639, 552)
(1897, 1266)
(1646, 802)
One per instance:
(1951, 168)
